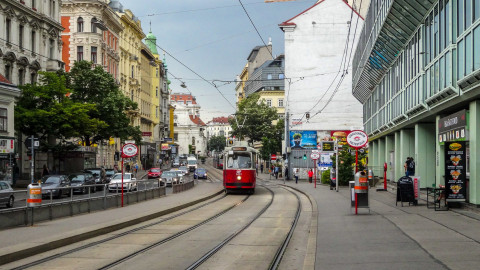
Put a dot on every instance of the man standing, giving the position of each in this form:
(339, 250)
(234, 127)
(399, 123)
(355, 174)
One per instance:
(310, 175)
(261, 168)
(409, 167)
(276, 172)
(296, 176)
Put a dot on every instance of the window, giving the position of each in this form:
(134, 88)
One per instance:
(132, 95)
(8, 72)
(21, 77)
(133, 71)
(52, 48)
(280, 103)
(156, 91)
(80, 24)
(8, 25)
(33, 4)
(157, 73)
(468, 13)
(33, 35)
(476, 44)
(93, 25)
(52, 8)
(461, 59)
(3, 119)
(468, 54)
(269, 76)
(156, 111)
(33, 77)
(281, 76)
(20, 36)
(94, 55)
(476, 7)
(460, 17)
(79, 53)
(175, 136)
(269, 102)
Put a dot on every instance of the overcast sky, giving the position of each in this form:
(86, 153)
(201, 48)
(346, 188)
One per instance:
(213, 38)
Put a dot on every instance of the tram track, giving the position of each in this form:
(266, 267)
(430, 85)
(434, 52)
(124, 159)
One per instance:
(123, 234)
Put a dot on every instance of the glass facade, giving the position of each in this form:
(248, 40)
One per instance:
(443, 49)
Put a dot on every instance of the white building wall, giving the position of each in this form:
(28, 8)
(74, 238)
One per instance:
(187, 130)
(313, 50)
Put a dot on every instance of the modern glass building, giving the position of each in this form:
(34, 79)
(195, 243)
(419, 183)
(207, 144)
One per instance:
(416, 70)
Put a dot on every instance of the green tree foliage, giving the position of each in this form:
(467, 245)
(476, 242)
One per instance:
(43, 110)
(253, 119)
(346, 167)
(96, 86)
(217, 143)
(272, 143)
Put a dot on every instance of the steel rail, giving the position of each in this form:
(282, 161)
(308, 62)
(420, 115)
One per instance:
(58, 255)
(235, 234)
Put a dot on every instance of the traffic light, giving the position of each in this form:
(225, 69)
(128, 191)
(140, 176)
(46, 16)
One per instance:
(307, 115)
(284, 156)
(304, 156)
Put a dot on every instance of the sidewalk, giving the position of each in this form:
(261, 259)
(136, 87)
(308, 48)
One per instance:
(390, 237)
(26, 241)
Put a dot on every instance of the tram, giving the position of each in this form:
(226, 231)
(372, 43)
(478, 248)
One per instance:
(239, 173)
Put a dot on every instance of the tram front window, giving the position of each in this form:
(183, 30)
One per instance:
(239, 161)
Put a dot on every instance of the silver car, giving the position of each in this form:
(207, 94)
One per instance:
(6, 194)
(170, 178)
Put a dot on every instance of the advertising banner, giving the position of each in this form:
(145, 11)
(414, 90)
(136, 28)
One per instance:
(453, 127)
(165, 146)
(455, 171)
(306, 139)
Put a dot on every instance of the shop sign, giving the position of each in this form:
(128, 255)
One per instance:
(453, 127)
(147, 134)
(6, 146)
(167, 139)
(165, 146)
(306, 139)
(340, 136)
(455, 171)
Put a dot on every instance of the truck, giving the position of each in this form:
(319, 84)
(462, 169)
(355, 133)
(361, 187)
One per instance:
(192, 163)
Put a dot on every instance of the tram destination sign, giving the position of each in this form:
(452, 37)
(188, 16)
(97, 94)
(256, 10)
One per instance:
(453, 127)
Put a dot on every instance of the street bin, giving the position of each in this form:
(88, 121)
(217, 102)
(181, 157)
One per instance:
(371, 178)
(405, 191)
(34, 195)
(359, 192)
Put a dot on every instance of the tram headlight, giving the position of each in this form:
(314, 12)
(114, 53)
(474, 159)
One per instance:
(239, 178)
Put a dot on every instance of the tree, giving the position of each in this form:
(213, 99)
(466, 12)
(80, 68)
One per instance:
(45, 111)
(253, 119)
(346, 167)
(96, 86)
(217, 143)
(272, 143)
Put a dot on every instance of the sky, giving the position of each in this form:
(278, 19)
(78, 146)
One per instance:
(213, 38)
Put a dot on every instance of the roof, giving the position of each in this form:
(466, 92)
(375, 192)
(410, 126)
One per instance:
(290, 23)
(254, 52)
(196, 120)
(4, 80)
(219, 120)
(183, 97)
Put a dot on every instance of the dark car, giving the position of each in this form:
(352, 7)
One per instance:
(80, 181)
(96, 172)
(51, 184)
(6, 194)
(200, 173)
(109, 173)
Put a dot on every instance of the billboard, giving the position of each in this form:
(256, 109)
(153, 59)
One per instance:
(306, 139)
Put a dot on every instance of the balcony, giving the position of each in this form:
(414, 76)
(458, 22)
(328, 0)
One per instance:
(54, 65)
(388, 27)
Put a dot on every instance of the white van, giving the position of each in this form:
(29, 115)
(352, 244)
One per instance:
(192, 163)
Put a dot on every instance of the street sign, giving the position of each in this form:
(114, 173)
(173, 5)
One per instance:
(273, 157)
(130, 142)
(357, 139)
(315, 154)
(28, 143)
(129, 150)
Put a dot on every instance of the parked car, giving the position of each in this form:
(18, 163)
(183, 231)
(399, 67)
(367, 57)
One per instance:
(80, 181)
(200, 173)
(176, 163)
(171, 177)
(109, 174)
(96, 172)
(154, 173)
(184, 169)
(129, 182)
(6, 194)
(53, 183)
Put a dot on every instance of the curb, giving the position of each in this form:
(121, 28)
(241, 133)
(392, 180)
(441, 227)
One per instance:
(28, 252)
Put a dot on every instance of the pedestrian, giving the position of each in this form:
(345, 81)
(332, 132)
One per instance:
(310, 175)
(409, 167)
(276, 172)
(103, 174)
(256, 168)
(261, 168)
(45, 171)
(286, 173)
(127, 167)
(136, 168)
(296, 176)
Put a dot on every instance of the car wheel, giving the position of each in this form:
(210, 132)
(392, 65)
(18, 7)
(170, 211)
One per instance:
(10, 202)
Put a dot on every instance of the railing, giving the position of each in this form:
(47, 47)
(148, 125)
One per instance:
(182, 187)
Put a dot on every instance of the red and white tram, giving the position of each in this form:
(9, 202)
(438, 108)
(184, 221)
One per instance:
(239, 163)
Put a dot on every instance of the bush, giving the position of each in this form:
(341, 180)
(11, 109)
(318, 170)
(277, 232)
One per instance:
(326, 177)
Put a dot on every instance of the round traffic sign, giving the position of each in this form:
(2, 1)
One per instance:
(357, 139)
(315, 155)
(129, 150)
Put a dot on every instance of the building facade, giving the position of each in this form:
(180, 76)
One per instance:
(91, 33)
(219, 126)
(190, 130)
(318, 88)
(416, 72)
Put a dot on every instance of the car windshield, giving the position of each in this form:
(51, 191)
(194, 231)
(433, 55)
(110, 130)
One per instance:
(119, 176)
(183, 168)
(155, 170)
(110, 173)
(94, 172)
(201, 171)
(192, 162)
(169, 174)
(77, 177)
(51, 180)
(239, 161)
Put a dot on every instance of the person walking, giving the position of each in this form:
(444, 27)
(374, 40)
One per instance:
(276, 172)
(261, 168)
(296, 176)
(409, 167)
(310, 175)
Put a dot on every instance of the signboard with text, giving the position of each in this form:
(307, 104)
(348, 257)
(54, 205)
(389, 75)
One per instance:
(455, 171)
(303, 139)
(357, 139)
(453, 127)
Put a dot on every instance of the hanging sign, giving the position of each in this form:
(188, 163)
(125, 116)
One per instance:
(357, 139)
(455, 171)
